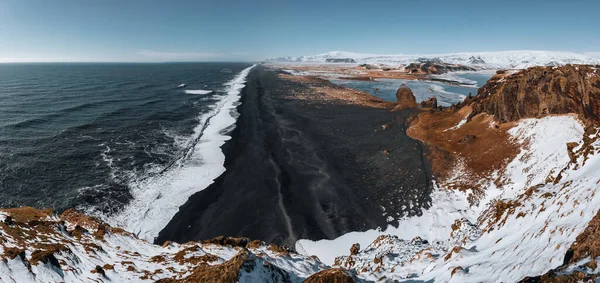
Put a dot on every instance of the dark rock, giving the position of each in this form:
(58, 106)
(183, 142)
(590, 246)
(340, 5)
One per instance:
(433, 67)
(430, 103)
(340, 60)
(99, 270)
(467, 139)
(369, 67)
(476, 60)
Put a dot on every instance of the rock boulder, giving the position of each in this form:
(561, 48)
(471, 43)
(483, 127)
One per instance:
(406, 98)
(430, 103)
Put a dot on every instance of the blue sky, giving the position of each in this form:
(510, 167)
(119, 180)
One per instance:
(136, 30)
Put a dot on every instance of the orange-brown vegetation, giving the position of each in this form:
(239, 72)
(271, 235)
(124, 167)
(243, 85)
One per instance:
(229, 271)
(26, 214)
(333, 275)
(488, 147)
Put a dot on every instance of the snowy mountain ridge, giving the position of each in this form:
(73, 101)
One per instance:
(517, 59)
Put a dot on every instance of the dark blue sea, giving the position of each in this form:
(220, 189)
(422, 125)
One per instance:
(120, 141)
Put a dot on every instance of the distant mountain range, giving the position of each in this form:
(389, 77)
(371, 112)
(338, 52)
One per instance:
(481, 60)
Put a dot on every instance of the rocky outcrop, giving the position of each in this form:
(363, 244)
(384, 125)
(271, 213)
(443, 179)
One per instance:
(336, 275)
(370, 66)
(430, 103)
(340, 60)
(355, 249)
(435, 67)
(406, 98)
(476, 60)
(39, 246)
(540, 91)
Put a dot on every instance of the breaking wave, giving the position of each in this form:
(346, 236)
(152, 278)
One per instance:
(198, 91)
(157, 197)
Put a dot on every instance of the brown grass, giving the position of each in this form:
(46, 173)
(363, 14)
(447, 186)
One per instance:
(26, 214)
(490, 150)
(337, 275)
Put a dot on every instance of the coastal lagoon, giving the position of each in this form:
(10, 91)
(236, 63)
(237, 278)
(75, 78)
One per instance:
(446, 94)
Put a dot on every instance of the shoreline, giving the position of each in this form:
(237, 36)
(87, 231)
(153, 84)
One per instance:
(307, 169)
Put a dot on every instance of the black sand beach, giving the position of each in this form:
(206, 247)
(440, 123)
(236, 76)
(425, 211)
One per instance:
(306, 170)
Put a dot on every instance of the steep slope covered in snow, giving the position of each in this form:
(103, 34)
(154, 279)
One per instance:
(484, 60)
(37, 246)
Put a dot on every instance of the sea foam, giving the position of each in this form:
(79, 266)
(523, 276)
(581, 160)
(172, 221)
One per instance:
(157, 199)
(198, 91)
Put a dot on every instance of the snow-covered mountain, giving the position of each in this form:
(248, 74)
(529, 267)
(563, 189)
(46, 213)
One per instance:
(484, 60)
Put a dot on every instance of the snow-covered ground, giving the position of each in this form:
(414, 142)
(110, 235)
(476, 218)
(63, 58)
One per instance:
(522, 227)
(74, 248)
(519, 59)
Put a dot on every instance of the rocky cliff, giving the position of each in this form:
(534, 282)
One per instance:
(39, 246)
(435, 67)
(540, 91)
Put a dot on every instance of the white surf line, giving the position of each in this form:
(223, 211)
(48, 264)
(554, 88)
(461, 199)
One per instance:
(197, 91)
(157, 199)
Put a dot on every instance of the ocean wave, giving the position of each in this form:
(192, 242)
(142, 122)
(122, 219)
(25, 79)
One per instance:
(157, 198)
(198, 91)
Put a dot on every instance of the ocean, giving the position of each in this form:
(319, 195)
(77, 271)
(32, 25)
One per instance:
(119, 141)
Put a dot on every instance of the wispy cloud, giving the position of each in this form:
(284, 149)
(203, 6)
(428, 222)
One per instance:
(181, 56)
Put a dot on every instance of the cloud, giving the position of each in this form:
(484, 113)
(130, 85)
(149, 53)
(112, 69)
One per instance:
(181, 56)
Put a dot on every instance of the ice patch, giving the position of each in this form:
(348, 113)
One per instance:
(157, 199)
(198, 91)
(460, 124)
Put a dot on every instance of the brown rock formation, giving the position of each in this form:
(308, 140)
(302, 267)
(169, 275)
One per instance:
(355, 249)
(482, 144)
(540, 91)
(337, 275)
(467, 139)
(406, 98)
(435, 67)
(430, 103)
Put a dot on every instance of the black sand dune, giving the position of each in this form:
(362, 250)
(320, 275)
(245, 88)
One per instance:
(298, 170)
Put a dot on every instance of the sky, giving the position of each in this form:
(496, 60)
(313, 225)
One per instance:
(243, 30)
